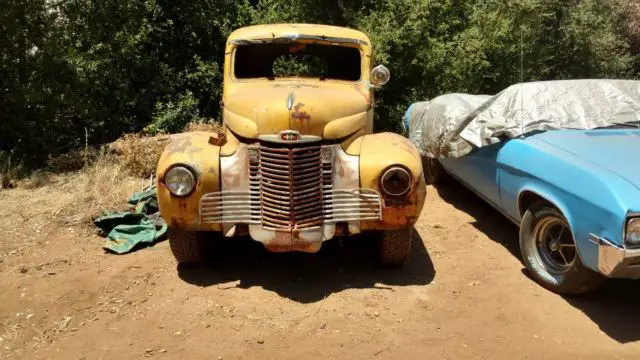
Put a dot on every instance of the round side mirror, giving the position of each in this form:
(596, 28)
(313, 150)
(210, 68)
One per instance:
(380, 75)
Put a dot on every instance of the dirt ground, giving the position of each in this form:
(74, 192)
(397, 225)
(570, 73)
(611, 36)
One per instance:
(463, 295)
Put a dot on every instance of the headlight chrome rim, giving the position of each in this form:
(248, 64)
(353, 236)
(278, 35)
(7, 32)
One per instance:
(186, 172)
(396, 170)
(632, 228)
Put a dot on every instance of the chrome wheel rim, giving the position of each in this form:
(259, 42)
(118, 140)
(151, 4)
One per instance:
(554, 245)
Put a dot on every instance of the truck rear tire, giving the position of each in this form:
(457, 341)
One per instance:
(394, 246)
(188, 247)
(434, 174)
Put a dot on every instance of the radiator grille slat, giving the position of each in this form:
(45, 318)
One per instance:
(290, 188)
(303, 205)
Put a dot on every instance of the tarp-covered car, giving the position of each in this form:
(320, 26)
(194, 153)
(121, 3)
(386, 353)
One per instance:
(560, 159)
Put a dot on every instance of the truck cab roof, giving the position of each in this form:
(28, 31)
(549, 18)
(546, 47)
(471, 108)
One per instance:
(302, 31)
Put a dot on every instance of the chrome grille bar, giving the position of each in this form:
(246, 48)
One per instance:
(290, 188)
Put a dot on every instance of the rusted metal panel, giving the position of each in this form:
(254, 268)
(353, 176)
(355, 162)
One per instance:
(193, 150)
(291, 187)
(262, 108)
(266, 106)
(239, 180)
(293, 192)
(302, 191)
(378, 152)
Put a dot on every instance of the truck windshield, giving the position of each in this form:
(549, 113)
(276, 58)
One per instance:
(296, 59)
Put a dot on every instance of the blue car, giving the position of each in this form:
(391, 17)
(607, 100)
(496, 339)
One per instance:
(574, 193)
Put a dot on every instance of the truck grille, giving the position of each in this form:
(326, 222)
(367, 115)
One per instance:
(290, 188)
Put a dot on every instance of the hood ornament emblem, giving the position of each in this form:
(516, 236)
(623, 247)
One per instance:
(290, 100)
(289, 135)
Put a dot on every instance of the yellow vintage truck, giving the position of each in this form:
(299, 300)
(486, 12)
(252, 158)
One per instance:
(298, 163)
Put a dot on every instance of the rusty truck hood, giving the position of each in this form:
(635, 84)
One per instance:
(322, 108)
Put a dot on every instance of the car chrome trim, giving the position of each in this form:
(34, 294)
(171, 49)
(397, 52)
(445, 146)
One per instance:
(616, 261)
(290, 197)
(297, 138)
(602, 241)
(290, 100)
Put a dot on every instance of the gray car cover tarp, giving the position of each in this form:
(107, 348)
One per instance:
(451, 125)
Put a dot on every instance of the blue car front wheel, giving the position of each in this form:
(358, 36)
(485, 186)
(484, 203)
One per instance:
(549, 252)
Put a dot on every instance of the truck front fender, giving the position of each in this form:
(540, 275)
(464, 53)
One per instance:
(194, 150)
(377, 153)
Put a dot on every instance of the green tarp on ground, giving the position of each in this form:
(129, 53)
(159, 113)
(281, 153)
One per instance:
(140, 225)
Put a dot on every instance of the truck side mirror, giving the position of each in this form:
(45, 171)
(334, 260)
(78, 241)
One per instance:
(380, 75)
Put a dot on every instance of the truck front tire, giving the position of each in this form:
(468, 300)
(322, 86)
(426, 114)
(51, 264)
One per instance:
(434, 174)
(188, 247)
(394, 246)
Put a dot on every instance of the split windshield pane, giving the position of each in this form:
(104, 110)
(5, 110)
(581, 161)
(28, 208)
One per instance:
(295, 59)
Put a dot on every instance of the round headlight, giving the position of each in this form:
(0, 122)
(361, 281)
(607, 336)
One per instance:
(380, 75)
(632, 237)
(396, 181)
(180, 181)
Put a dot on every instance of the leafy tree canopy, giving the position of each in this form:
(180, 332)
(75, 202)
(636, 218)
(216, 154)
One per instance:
(70, 67)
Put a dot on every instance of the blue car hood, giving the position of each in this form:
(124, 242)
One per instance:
(615, 150)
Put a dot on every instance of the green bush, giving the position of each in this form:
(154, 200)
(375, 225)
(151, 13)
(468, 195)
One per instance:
(173, 116)
(72, 68)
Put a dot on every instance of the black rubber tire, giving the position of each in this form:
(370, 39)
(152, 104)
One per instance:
(394, 246)
(434, 174)
(188, 247)
(577, 280)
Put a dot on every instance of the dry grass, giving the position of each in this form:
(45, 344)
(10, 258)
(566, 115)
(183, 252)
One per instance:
(104, 181)
(72, 161)
(103, 186)
(204, 126)
(139, 154)
(75, 198)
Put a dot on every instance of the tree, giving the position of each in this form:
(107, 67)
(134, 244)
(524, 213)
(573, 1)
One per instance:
(110, 67)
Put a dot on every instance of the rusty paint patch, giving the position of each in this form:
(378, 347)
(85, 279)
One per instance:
(280, 243)
(287, 241)
(289, 170)
(177, 222)
(299, 114)
(218, 139)
(397, 215)
(179, 144)
(183, 144)
(408, 147)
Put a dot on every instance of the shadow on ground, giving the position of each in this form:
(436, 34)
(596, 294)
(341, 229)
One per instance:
(486, 219)
(341, 264)
(613, 308)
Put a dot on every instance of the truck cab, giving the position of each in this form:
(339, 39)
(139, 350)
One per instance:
(298, 162)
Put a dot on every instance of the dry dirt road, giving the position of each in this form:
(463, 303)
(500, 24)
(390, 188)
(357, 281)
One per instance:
(463, 295)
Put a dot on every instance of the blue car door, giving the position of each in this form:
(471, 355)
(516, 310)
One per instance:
(480, 171)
